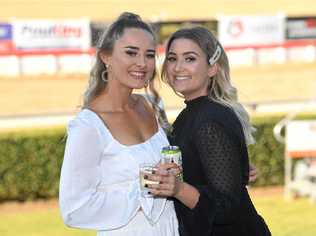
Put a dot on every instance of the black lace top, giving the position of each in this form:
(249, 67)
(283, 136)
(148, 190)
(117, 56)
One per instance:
(215, 161)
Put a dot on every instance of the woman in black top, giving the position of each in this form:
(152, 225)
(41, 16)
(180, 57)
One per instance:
(213, 132)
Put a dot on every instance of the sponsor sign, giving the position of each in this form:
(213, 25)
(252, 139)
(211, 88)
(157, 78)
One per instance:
(51, 34)
(5, 31)
(301, 138)
(251, 30)
(6, 46)
(5, 37)
(301, 28)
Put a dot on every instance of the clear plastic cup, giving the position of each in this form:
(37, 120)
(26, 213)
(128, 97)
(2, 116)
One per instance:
(144, 169)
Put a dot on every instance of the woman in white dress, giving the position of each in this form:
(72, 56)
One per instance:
(114, 133)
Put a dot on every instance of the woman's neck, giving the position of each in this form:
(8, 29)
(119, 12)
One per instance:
(114, 99)
(189, 97)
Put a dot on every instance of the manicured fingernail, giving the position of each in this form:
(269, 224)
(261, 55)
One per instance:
(146, 185)
(145, 176)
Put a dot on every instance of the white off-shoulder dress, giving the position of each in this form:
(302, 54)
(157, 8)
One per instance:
(99, 184)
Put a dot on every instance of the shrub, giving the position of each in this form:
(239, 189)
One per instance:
(30, 164)
(30, 161)
(267, 154)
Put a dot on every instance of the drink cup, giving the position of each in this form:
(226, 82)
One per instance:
(145, 169)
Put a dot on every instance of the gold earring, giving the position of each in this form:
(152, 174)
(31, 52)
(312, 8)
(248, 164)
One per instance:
(146, 83)
(103, 76)
(211, 84)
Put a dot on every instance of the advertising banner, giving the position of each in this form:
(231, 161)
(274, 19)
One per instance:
(51, 34)
(251, 30)
(301, 28)
(301, 138)
(5, 31)
(5, 37)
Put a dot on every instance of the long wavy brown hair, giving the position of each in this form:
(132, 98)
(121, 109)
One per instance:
(106, 44)
(220, 88)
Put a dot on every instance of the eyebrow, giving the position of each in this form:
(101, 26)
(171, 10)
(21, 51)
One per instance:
(137, 48)
(185, 53)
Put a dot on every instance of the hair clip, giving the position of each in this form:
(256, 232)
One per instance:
(215, 56)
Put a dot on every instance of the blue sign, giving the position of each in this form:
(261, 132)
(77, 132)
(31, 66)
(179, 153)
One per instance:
(5, 31)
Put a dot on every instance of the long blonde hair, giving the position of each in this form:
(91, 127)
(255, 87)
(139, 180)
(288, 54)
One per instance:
(220, 89)
(99, 70)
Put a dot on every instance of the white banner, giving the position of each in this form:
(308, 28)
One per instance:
(251, 30)
(301, 136)
(51, 34)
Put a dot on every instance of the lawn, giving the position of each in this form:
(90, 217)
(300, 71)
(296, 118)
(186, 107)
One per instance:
(288, 217)
(37, 223)
(285, 218)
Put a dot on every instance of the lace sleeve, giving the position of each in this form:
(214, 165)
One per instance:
(220, 156)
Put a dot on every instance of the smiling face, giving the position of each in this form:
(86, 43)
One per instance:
(132, 61)
(187, 69)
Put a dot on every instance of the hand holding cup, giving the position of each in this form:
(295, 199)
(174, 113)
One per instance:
(166, 182)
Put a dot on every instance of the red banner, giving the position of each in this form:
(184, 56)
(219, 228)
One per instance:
(6, 46)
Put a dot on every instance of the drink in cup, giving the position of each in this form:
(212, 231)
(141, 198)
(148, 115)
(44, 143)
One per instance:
(145, 169)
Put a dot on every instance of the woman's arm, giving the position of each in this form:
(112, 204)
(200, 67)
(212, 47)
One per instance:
(80, 176)
(221, 160)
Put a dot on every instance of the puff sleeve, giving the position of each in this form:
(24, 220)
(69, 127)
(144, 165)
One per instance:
(99, 189)
(80, 176)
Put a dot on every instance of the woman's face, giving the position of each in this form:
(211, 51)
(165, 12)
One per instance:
(187, 69)
(132, 62)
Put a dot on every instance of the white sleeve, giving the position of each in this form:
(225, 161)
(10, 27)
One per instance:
(85, 202)
(80, 176)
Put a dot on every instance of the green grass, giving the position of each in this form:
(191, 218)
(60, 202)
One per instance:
(288, 218)
(37, 223)
(285, 218)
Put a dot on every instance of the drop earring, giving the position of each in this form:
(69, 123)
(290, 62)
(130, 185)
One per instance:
(104, 73)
